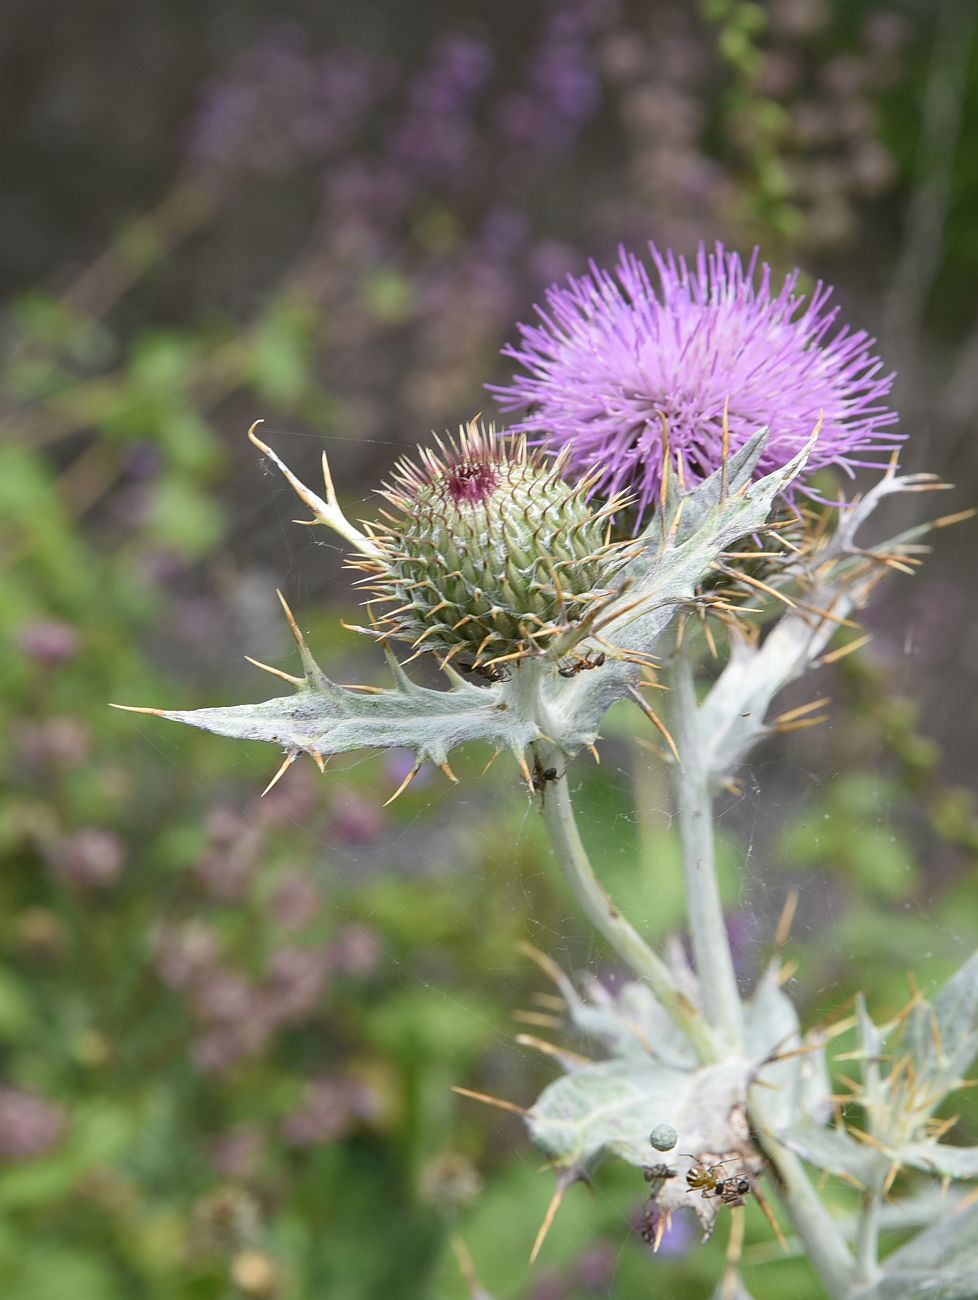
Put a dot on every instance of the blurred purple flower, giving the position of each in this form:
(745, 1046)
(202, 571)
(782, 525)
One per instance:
(357, 950)
(595, 1269)
(185, 954)
(293, 801)
(294, 984)
(436, 133)
(236, 1152)
(231, 857)
(297, 901)
(49, 641)
(29, 1125)
(330, 1109)
(55, 742)
(354, 820)
(613, 356)
(91, 858)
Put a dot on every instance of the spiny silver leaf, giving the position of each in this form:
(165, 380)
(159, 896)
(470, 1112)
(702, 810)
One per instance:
(833, 1150)
(940, 1263)
(942, 1034)
(611, 1107)
(322, 718)
(655, 584)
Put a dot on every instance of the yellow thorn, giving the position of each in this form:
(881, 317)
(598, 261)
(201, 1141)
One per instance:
(593, 749)
(867, 1138)
(548, 1219)
(540, 1020)
(466, 1266)
(449, 773)
(290, 758)
(404, 784)
(772, 1221)
(762, 586)
(545, 962)
(276, 672)
(139, 708)
(328, 480)
(945, 521)
(499, 1102)
(656, 721)
(290, 617)
(849, 648)
(787, 917)
(791, 714)
(317, 758)
(664, 1220)
(527, 774)
(549, 1049)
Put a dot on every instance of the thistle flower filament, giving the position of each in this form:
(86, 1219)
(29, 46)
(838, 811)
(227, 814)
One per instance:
(616, 362)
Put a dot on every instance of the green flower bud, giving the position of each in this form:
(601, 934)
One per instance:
(490, 552)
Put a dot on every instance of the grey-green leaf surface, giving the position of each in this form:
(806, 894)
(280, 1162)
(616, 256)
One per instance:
(836, 1152)
(322, 718)
(611, 1107)
(943, 1034)
(940, 1263)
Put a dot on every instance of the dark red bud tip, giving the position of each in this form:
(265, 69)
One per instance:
(471, 482)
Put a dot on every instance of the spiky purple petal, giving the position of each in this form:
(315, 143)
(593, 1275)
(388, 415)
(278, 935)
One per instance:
(614, 354)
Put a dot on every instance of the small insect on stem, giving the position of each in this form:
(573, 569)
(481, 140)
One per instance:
(706, 1180)
(487, 672)
(584, 664)
(541, 777)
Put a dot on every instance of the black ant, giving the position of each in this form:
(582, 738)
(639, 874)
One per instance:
(584, 664)
(540, 777)
(488, 672)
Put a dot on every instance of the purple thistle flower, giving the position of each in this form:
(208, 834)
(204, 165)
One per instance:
(614, 354)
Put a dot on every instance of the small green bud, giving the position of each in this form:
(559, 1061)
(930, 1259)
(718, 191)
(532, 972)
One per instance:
(663, 1137)
(490, 552)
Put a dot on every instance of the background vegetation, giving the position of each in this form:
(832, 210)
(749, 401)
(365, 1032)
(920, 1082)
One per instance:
(229, 1028)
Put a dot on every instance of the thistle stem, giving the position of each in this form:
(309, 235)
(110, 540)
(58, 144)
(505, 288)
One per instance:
(719, 993)
(830, 1256)
(868, 1238)
(828, 1252)
(624, 939)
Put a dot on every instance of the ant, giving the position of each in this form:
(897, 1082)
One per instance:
(539, 779)
(704, 1179)
(488, 672)
(541, 775)
(584, 664)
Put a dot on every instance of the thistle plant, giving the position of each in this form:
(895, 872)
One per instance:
(515, 573)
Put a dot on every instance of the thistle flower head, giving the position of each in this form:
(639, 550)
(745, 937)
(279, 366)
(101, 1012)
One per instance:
(489, 551)
(616, 360)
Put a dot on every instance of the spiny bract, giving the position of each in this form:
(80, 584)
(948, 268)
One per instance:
(490, 552)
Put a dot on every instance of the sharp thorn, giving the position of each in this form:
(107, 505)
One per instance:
(290, 758)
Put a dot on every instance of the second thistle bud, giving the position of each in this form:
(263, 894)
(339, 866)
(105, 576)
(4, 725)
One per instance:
(489, 551)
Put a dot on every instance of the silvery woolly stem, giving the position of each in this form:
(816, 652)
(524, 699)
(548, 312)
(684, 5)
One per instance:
(601, 911)
(719, 994)
(826, 1249)
(867, 1237)
(830, 1256)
